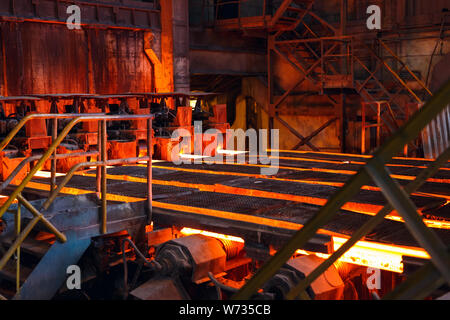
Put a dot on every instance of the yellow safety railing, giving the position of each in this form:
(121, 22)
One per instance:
(429, 277)
(101, 174)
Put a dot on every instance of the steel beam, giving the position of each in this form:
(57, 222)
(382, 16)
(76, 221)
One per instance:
(400, 200)
(394, 145)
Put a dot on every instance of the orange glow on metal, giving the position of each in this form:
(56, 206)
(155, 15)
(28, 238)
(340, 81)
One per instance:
(362, 208)
(346, 172)
(78, 191)
(189, 231)
(387, 257)
(183, 208)
(47, 174)
(377, 255)
(191, 156)
(357, 156)
(230, 152)
(337, 171)
(314, 182)
(66, 190)
(235, 216)
(363, 253)
(395, 176)
(247, 218)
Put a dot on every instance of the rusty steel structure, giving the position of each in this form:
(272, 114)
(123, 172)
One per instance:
(328, 63)
(117, 154)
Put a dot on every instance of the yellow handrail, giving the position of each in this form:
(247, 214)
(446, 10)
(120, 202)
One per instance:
(29, 117)
(54, 144)
(81, 165)
(38, 216)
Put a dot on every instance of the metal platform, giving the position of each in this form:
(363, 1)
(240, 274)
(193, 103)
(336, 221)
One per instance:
(236, 199)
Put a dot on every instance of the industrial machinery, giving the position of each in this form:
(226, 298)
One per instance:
(126, 138)
(114, 191)
(211, 231)
(192, 232)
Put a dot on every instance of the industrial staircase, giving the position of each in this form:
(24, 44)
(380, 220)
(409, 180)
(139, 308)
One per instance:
(38, 269)
(290, 14)
(32, 251)
(328, 61)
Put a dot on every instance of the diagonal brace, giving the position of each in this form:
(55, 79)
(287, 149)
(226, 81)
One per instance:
(419, 285)
(314, 133)
(411, 129)
(405, 207)
(413, 186)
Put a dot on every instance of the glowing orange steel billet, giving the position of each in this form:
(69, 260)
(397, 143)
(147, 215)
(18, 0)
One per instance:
(236, 216)
(66, 190)
(362, 208)
(78, 191)
(363, 163)
(337, 171)
(351, 155)
(189, 231)
(370, 254)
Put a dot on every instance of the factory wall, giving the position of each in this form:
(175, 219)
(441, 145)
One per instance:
(50, 58)
(412, 29)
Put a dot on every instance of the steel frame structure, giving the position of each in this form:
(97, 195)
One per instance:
(429, 277)
(329, 60)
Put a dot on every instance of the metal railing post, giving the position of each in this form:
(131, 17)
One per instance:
(98, 170)
(149, 170)
(363, 128)
(53, 166)
(18, 241)
(18, 227)
(103, 179)
(51, 153)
